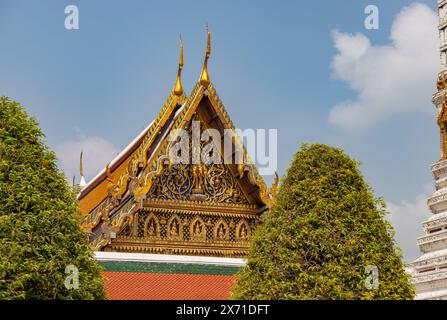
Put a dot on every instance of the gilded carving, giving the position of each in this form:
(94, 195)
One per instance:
(152, 227)
(179, 183)
(221, 230)
(197, 230)
(242, 231)
(175, 228)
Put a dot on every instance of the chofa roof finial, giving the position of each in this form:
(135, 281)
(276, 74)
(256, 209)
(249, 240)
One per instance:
(178, 89)
(204, 77)
(82, 182)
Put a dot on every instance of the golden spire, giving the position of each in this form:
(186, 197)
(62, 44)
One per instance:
(204, 77)
(82, 182)
(178, 89)
(81, 170)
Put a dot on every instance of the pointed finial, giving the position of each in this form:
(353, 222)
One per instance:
(81, 169)
(178, 89)
(108, 173)
(82, 182)
(204, 77)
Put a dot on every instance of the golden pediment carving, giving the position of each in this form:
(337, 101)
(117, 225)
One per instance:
(180, 183)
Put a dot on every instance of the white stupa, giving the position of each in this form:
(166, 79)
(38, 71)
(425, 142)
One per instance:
(430, 270)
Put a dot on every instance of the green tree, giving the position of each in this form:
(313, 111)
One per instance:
(40, 235)
(324, 236)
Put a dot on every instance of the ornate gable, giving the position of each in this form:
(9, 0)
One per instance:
(212, 183)
(160, 207)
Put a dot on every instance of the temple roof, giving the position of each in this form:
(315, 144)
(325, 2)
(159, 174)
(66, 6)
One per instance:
(150, 286)
(146, 148)
(111, 199)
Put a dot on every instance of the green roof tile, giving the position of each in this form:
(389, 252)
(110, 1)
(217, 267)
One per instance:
(169, 268)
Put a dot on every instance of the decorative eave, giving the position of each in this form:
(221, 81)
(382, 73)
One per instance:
(144, 245)
(199, 205)
(224, 210)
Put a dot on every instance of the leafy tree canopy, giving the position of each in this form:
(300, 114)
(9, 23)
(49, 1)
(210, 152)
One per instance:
(324, 237)
(40, 234)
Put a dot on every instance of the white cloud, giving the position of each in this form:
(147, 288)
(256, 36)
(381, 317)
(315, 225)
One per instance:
(388, 79)
(97, 153)
(406, 219)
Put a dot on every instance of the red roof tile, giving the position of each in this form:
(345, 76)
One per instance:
(156, 286)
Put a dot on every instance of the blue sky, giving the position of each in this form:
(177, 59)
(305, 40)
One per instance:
(271, 64)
